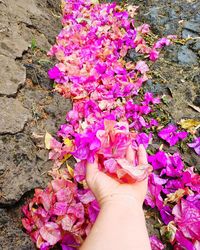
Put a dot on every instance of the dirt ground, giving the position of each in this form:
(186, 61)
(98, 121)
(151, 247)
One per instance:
(29, 108)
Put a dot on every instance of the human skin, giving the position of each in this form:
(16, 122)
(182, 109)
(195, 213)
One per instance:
(120, 224)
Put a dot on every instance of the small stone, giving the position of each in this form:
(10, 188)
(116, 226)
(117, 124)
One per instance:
(197, 101)
(187, 56)
(193, 26)
(13, 116)
(12, 74)
(196, 46)
(133, 55)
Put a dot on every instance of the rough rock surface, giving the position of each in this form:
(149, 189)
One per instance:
(187, 56)
(29, 107)
(13, 76)
(13, 116)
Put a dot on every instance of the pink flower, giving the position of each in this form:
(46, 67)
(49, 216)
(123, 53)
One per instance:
(153, 197)
(162, 43)
(144, 139)
(183, 243)
(156, 244)
(187, 217)
(51, 233)
(80, 171)
(153, 55)
(166, 214)
(195, 145)
(144, 28)
(86, 146)
(159, 160)
(171, 135)
(150, 99)
(142, 67)
(54, 73)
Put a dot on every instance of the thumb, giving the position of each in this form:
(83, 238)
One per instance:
(92, 169)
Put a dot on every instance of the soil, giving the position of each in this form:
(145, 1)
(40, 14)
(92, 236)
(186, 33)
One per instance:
(29, 107)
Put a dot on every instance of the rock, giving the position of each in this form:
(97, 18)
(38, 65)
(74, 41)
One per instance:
(12, 44)
(21, 170)
(13, 116)
(59, 106)
(188, 33)
(12, 74)
(193, 26)
(11, 235)
(187, 56)
(196, 46)
(197, 101)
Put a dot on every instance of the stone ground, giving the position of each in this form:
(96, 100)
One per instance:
(29, 107)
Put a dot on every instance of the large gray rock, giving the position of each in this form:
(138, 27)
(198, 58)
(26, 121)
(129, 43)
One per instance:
(13, 116)
(12, 44)
(13, 76)
(187, 56)
(193, 26)
(21, 170)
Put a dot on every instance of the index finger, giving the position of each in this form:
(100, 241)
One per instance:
(142, 155)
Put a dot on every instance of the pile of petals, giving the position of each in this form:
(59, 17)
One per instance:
(60, 214)
(107, 116)
(175, 192)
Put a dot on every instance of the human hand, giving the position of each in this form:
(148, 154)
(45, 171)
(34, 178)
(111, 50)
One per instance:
(106, 189)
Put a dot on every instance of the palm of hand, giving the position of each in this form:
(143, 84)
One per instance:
(106, 188)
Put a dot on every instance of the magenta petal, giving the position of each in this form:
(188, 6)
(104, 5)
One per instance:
(183, 242)
(80, 171)
(196, 145)
(182, 135)
(51, 233)
(156, 244)
(166, 214)
(187, 217)
(54, 73)
(60, 208)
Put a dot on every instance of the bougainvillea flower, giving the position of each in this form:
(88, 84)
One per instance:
(183, 242)
(86, 146)
(166, 214)
(54, 73)
(51, 233)
(174, 166)
(156, 244)
(171, 135)
(187, 217)
(59, 211)
(144, 139)
(69, 242)
(192, 179)
(195, 145)
(127, 173)
(153, 55)
(93, 210)
(150, 99)
(142, 67)
(162, 43)
(159, 160)
(115, 139)
(80, 171)
(153, 197)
